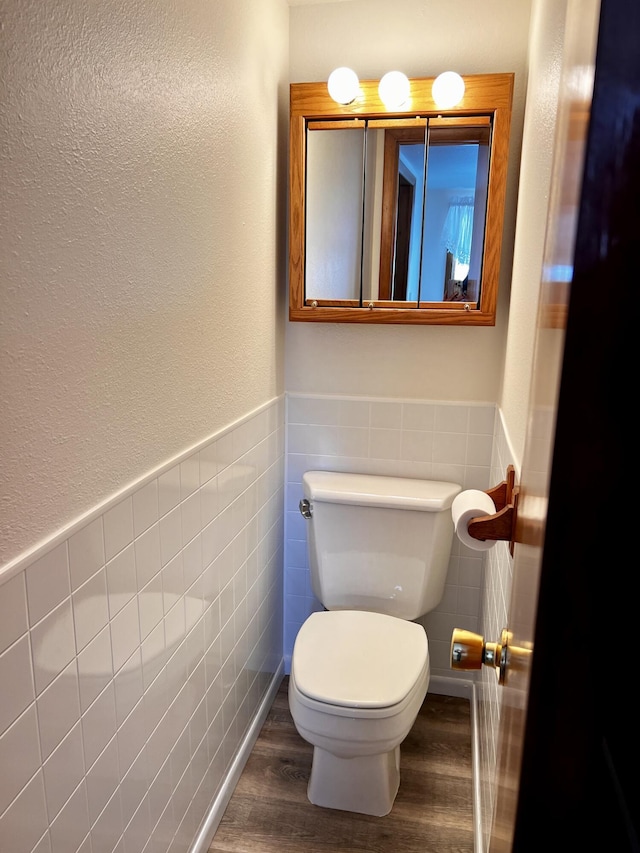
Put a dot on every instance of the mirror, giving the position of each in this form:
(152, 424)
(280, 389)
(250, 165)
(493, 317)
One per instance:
(397, 217)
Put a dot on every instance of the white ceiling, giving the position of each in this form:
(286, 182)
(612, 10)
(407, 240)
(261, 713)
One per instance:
(308, 2)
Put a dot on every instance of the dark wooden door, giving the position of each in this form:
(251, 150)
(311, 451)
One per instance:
(403, 233)
(568, 746)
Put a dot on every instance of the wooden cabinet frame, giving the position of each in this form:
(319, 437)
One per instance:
(485, 95)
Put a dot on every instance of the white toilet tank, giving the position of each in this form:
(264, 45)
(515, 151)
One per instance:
(378, 543)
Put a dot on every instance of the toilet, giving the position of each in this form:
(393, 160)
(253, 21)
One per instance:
(379, 550)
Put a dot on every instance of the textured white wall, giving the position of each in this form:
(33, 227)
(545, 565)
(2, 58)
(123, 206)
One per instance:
(545, 60)
(143, 175)
(421, 37)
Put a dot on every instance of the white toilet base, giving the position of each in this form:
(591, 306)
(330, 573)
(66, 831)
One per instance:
(367, 784)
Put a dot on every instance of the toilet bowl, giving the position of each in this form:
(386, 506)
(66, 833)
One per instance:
(357, 682)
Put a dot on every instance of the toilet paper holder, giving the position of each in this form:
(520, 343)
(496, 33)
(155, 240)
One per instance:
(502, 524)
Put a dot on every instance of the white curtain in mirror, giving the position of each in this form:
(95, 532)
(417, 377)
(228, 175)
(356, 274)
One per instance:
(458, 229)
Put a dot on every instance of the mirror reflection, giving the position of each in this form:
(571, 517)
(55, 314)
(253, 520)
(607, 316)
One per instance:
(395, 210)
(334, 194)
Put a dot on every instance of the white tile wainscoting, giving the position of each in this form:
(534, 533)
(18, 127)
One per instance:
(136, 649)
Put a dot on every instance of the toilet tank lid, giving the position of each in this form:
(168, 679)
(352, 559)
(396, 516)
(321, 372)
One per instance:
(377, 490)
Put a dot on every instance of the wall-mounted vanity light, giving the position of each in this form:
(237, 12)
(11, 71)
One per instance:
(448, 90)
(343, 85)
(394, 88)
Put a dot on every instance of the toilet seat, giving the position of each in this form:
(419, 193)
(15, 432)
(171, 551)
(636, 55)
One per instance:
(359, 663)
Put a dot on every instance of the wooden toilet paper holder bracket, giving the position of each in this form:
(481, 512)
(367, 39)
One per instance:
(502, 524)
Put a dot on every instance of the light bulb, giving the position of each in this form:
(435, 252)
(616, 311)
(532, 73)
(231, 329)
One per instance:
(448, 90)
(394, 89)
(343, 85)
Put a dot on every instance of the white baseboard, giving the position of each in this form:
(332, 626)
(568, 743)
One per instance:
(207, 830)
(475, 773)
(443, 686)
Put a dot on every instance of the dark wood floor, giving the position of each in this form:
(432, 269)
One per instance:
(269, 811)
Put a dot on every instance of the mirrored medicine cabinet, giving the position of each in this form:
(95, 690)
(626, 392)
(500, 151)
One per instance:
(397, 216)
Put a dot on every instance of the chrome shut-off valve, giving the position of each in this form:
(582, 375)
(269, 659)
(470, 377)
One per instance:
(305, 508)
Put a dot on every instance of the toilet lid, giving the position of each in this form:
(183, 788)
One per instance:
(358, 659)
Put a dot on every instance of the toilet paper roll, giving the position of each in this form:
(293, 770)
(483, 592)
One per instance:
(469, 504)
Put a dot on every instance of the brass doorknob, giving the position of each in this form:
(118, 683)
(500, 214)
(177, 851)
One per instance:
(469, 651)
